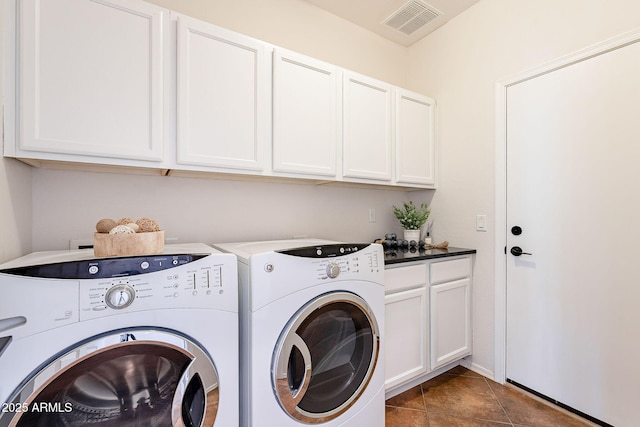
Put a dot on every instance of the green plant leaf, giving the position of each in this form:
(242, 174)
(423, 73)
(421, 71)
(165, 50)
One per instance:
(412, 217)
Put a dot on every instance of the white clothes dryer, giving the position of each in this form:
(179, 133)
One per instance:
(311, 333)
(127, 341)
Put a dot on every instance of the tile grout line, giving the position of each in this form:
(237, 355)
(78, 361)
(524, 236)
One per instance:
(498, 400)
(405, 408)
(424, 400)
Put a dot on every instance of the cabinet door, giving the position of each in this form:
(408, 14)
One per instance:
(450, 321)
(415, 139)
(91, 78)
(367, 128)
(406, 336)
(305, 117)
(223, 97)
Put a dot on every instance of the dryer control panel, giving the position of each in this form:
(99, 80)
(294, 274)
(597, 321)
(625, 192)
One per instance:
(327, 251)
(327, 267)
(341, 261)
(349, 266)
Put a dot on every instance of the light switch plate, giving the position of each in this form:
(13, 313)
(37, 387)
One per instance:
(481, 223)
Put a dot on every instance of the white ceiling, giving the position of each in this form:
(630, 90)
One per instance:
(371, 14)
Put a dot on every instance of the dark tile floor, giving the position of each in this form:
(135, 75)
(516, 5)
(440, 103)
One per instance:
(462, 398)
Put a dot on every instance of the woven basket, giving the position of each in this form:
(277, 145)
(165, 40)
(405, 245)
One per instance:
(115, 245)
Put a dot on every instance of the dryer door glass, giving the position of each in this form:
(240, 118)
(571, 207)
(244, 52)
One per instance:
(161, 380)
(325, 357)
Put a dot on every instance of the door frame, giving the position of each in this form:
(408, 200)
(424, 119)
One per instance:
(500, 264)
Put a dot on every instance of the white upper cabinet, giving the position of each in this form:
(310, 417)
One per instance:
(415, 139)
(367, 128)
(90, 79)
(306, 112)
(224, 98)
(127, 83)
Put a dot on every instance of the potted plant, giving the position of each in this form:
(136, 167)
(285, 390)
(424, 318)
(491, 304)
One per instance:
(412, 218)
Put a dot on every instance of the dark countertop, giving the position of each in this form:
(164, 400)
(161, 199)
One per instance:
(400, 255)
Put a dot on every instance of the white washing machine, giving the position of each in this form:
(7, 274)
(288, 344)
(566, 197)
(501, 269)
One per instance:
(129, 341)
(311, 333)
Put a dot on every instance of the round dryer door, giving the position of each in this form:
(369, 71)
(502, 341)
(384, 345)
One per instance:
(325, 357)
(129, 378)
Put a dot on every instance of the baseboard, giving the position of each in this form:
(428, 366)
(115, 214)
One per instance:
(468, 363)
(419, 380)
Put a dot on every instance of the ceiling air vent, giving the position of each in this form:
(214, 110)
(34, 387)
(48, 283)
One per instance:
(411, 17)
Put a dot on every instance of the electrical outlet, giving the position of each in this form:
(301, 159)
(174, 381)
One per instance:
(80, 244)
(88, 243)
(372, 215)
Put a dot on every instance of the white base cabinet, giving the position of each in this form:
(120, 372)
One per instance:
(427, 317)
(450, 321)
(450, 310)
(406, 324)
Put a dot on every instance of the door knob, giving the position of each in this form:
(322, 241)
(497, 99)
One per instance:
(517, 251)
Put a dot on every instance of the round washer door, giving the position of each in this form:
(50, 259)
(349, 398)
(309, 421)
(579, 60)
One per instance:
(126, 378)
(325, 357)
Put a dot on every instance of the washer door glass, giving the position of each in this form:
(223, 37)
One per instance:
(325, 357)
(159, 379)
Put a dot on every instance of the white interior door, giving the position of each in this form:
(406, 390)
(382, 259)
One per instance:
(573, 167)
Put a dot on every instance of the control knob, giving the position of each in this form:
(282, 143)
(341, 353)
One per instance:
(120, 296)
(333, 270)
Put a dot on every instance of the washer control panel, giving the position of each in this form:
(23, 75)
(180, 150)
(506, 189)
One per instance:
(333, 270)
(202, 282)
(105, 267)
(119, 297)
